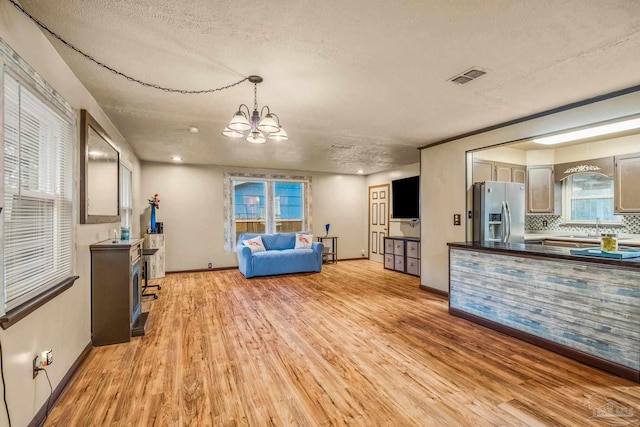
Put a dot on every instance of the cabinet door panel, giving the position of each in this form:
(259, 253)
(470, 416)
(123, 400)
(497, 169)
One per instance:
(483, 171)
(518, 174)
(503, 172)
(627, 184)
(388, 261)
(540, 189)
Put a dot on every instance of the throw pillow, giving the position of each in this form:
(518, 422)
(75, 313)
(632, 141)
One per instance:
(255, 244)
(303, 241)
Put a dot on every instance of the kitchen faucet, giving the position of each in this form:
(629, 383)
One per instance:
(597, 233)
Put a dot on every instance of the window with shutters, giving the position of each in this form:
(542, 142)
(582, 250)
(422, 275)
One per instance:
(37, 217)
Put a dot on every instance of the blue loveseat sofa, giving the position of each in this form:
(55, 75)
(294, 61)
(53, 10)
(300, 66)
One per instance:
(279, 257)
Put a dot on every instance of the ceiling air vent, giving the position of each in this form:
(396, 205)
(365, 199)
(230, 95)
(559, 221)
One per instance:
(468, 75)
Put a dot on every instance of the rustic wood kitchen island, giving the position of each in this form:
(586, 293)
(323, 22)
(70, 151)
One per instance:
(586, 308)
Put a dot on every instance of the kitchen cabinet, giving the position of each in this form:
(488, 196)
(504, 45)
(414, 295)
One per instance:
(508, 172)
(486, 170)
(627, 184)
(483, 170)
(543, 193)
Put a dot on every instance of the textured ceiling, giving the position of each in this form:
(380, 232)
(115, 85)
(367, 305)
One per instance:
(371, 74)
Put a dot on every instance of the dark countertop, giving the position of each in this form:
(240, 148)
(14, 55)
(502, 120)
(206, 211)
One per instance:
(541, 251)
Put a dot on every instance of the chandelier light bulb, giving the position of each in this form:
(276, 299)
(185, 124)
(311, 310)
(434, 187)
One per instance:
(256, 138)
(239, 122)
(280, 135)
(268, 124)
(232, 133)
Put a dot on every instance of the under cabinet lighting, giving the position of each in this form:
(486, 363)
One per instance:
(600, 130)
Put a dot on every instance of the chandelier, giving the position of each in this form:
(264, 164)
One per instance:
(255, 127)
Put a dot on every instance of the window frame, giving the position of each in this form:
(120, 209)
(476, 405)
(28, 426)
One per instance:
(567, 199)
(270, 219)
(15, 67)
(126, 206)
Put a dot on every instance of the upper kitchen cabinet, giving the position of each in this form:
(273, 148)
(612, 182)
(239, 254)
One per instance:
(507, 172)
(627, 184)
(541, 195)
(483, 170)
(486, 170)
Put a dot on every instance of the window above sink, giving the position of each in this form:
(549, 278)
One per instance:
(588, 199)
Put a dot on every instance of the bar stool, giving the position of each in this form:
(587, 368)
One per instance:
(147, 253)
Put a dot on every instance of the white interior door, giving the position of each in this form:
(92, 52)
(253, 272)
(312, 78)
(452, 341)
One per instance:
(378, 220)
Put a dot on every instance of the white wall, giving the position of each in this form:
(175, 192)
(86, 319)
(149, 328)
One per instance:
(64, 323)
(396, 227)
(192, 211)
(443, 180)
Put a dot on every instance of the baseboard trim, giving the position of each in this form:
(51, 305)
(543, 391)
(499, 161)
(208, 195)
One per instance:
(235, 267)
(202, 270)
(580, 356)
(38, 419)
(434, 291)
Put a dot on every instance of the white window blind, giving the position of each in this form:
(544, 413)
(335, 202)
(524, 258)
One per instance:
(38, 194)
(126, 198)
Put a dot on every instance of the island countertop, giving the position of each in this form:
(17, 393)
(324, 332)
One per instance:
(586, 308)
(541, 251)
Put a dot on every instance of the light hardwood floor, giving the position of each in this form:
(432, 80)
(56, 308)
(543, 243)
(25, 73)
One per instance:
(354, 345)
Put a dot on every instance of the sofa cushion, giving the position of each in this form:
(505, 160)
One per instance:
(255, 244)
(284, 261)
(303, 241)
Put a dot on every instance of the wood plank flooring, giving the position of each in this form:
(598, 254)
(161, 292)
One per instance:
(354, 345)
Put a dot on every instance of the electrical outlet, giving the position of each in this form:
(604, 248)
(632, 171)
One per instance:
(545, 223)
(456, 219)
(36, 366)
(210, 265)
(362, 252)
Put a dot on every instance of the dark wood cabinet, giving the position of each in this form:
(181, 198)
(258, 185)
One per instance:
(627, 183)
(542, 197)
(116, 291)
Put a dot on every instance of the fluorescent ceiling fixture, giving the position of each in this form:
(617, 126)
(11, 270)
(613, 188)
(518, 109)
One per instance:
(176, 158)
(360, 171)
(589, 132)
(193, 129)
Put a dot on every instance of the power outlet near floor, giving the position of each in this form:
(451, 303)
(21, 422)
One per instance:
(210, 265)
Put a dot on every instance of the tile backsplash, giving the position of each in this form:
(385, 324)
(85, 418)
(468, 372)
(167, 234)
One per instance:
(631, 224)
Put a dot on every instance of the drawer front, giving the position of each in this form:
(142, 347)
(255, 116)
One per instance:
(399, 263)
(388, 246)
(413, 249)
(388, 261)
(398, 247)
(135, 253)
(413, 266)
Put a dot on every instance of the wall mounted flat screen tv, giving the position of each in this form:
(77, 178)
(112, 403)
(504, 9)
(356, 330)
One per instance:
(405, 197)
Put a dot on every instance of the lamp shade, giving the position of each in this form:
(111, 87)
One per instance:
(268, 124)
(280, 135)
(232, 133)
(239, 122)
(256, 138)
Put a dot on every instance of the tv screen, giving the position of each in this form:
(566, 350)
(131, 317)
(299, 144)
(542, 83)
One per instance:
(405, 196)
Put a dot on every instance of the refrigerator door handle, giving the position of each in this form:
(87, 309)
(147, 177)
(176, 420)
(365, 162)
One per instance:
(508, 222)
(504, 222)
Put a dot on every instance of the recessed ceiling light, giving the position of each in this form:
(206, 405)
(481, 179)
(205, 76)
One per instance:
(360, 171)
(603, 129)
(193, 129)
(176, 158)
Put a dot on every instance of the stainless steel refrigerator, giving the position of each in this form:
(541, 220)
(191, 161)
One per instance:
(498, 212)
